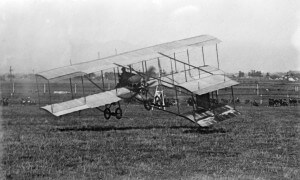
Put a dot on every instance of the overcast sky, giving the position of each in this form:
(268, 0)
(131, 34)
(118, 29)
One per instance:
(42, 34)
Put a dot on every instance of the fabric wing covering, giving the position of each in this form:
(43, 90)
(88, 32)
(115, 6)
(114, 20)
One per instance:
(91, 101)
(127, 58)
(211, 80)
(208, 84)
(209, 117)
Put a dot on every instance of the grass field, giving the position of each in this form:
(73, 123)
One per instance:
(262, 143)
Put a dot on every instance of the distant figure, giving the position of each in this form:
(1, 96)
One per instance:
(5, 101)
(247, 101)
(224, 101)
(271, 102)
(237, 100)
(254, 103)
(293, 102)
(27, 101)
(23, 101)
(190, 102)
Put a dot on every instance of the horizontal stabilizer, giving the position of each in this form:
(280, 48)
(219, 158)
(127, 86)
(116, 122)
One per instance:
(210, 117)
(225, 112)
(204, 119)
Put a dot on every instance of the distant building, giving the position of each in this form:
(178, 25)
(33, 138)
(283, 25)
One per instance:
(2, 77)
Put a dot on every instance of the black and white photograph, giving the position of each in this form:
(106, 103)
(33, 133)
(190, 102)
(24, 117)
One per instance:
(150, 89)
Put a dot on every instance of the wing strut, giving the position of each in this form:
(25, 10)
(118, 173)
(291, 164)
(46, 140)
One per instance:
(185, 73)
(102, 79)
(232, 97)
(203, 56)
(71, 88)
(159, 67)
(38, 91)
(83, 90)
(172, 71)
(95, 84)
(174, 83)
(217, 55)
(50, 95)
(185, 63)
(188, 58)
(175, 63)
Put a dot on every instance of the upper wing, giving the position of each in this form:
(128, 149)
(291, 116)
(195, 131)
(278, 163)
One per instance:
(127, 57)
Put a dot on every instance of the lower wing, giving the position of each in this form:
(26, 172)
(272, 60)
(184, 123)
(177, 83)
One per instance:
(91, 101)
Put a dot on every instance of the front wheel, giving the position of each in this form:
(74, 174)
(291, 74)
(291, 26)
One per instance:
(118, 113)
(159, 103)
(147, 105)
(107, 113)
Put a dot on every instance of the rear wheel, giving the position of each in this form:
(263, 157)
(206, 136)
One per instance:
(118, 113)
(107, 113)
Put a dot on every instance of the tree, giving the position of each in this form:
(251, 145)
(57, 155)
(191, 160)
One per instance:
(254, 73)
(241, 74)
(10, 76)
(274, 76)
(2, 77)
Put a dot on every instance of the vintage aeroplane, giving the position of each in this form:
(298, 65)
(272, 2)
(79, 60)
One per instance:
(149, 75)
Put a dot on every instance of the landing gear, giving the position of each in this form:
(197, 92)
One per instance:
(158, 102)
(143, 88)
(150, 103)
(108, 113)
(147, 105)
(118, 113)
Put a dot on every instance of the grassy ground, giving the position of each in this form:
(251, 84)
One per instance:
(262, 143)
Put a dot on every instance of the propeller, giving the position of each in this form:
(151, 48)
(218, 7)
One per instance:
(150, 73)
(141, 76)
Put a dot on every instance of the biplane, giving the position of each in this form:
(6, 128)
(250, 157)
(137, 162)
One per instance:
(150, 76)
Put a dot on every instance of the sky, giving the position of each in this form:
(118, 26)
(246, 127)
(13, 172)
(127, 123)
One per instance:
(38, 35)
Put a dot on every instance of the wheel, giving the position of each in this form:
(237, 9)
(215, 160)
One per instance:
(107, 113)
(159, 104)
(157, 99)
(118, 113)
(147, 105)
